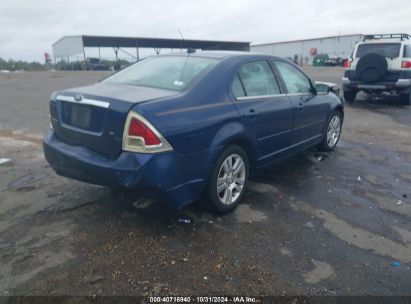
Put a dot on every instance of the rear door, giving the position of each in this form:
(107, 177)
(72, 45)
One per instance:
(265, 110)
(310, 110)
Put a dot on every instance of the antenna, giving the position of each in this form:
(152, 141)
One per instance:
(181, 34)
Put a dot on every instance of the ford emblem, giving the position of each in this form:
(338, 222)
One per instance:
(78, 98)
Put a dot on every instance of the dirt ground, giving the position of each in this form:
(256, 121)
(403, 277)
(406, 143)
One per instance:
(318, 224)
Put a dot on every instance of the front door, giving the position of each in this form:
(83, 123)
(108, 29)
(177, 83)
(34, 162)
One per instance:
(310, 110)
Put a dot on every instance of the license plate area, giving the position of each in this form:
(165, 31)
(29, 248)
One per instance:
(83, 117)
(80, 117)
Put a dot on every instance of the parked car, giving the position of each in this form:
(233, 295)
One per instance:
(179, 125)
(95, 64)
(380, 63)
(332, 62)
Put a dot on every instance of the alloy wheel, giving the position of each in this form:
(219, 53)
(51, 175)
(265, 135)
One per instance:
(333, 131)
(231, 178)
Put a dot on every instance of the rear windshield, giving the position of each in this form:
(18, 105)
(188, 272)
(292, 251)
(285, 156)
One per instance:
(388, 50)
(165, 72)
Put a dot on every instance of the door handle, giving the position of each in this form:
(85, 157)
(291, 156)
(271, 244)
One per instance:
(251, 114)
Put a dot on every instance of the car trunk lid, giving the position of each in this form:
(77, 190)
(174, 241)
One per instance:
(94, 116)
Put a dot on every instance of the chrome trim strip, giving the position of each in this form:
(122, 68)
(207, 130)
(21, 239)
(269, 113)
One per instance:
(84, 101)
(299, 94)
(270, 96)
(259, 97)
(65, 98)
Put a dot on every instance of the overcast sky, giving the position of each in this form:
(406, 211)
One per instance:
(28, 28)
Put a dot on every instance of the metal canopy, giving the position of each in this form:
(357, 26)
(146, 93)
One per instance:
(104, 41)
(73, 45)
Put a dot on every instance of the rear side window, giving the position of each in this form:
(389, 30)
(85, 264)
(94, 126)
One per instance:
(407, 51)
(237, 87)
(258, 79)
(295, 81)
(387, 50)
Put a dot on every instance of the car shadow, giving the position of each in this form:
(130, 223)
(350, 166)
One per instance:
(293, 171)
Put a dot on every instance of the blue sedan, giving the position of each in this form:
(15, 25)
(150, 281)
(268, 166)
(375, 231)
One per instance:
(178, 126)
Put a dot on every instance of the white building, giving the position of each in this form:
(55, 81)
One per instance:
(335, 47)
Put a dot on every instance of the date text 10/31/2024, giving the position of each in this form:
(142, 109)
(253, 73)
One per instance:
(203, 299)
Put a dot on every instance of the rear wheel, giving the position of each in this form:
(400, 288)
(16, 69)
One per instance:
(405, 99)
(228, 180)
(349, 96)
(333, 133)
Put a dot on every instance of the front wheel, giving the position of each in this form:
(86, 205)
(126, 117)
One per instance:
(228, 180)
(333, 133)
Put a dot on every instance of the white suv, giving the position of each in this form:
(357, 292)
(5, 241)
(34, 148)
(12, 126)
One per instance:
(380, 63)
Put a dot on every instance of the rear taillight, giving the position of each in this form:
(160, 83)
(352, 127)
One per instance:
(141, 136)
(406, 64)
(347, 64)
(138, 129)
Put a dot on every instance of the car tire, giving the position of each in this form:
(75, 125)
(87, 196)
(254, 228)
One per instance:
(228, 181)
(349, 96)
(405, 99)
(332, 133)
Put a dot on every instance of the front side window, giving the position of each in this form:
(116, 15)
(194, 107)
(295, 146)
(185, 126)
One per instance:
(295, 80)
(387, 50)
(258, 79)
(163, 72)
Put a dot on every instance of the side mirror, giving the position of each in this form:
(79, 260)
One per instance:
(322, 88)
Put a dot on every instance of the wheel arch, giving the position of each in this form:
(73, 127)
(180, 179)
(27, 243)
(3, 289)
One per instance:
(340, 108)
(234, 133)
(248, 149)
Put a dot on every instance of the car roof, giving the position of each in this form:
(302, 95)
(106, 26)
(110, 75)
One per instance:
(216, 54)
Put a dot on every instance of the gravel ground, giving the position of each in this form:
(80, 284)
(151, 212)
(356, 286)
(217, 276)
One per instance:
(318, 224)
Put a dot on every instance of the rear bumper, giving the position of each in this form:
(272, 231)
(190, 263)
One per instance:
(171, 177)
(401, 85)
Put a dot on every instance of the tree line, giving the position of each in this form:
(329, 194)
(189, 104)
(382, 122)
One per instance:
(21, 65)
